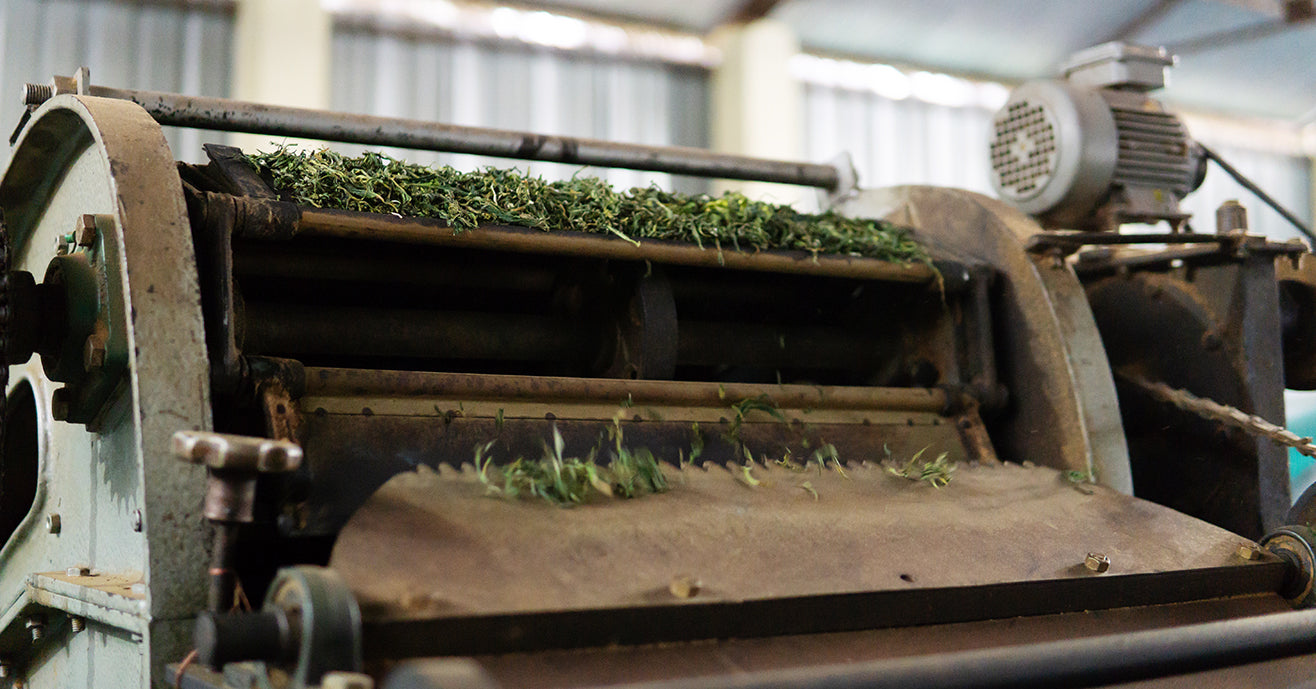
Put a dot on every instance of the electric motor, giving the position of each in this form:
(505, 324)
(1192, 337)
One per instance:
(1093, 151)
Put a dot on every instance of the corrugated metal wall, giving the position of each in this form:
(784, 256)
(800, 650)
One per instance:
(184, 49)
(513, 86)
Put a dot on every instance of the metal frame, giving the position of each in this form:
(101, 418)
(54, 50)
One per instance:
(121, 507)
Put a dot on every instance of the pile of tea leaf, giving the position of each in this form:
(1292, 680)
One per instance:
(376, 183)
(565, 481)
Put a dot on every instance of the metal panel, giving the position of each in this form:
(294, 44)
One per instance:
(513, 86)
(182, 48)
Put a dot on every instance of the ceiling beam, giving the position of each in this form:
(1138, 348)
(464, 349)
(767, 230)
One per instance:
(1299, 14)
(1269, 8)
(1144, 19)
(750, 10)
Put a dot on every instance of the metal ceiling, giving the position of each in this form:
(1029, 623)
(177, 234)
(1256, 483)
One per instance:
(1236, 56)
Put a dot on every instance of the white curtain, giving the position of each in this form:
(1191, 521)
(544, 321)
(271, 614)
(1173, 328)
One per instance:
(512, 86)
(182, 48)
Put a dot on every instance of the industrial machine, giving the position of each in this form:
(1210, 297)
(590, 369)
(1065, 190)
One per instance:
(248, 443)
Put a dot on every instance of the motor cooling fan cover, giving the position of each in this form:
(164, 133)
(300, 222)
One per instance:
(1054, 147)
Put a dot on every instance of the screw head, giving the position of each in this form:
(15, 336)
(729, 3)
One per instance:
(52, 522)
(37, 626)
(684, 586)
(1097, 562)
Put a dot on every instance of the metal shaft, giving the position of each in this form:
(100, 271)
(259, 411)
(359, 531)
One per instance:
(257, 118)
(1097, 661)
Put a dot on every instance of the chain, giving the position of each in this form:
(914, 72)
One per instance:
(1225, 414)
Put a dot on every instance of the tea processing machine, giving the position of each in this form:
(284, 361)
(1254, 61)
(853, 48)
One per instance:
(252, 443)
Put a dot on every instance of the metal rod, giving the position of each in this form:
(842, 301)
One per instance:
(1096, 661)
(369, 226)
(332, 382)
(1252, 187)
(229, 115)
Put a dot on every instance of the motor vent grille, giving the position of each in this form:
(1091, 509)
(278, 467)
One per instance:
(1153, 151)
(1023, 149)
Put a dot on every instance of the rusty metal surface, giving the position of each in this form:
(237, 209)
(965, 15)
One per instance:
(431, 546)
(1297, 284)
(1063, 408)
(606, 666)
(1217, 330)
(360, 428)
(369, 226)
(342, 382)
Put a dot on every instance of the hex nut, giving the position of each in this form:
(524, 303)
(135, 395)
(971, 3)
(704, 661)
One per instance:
(137, 521)
(1247, 551)
(1097, 562)
(52, 522)
(78, 571)
(86, 232)
(93, 352)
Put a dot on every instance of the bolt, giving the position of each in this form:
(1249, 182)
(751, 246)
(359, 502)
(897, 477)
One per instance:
(36, 94)
(59, 404)
(1247, 551)
(37, 626)
(684, 586)
(137, 521)
(78, 571)
(93, 352)
(52, 522)
(77, 624)
(86, 230)
(1097, 562)
(62, 245)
